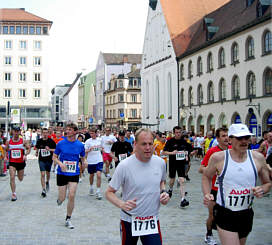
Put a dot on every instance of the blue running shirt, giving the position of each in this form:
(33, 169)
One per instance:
(69, 153)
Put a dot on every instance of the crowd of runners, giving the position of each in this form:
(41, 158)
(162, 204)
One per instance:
(231, 162)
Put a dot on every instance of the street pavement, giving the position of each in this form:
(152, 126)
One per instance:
(33, 220)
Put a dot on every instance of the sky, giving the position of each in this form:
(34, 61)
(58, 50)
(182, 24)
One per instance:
(83, 28)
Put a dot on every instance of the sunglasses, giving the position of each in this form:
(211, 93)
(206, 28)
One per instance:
(247, 137)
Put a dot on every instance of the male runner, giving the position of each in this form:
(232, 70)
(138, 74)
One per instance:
(223, 144)
(266, 146)
(44, 149)
(121, 149)
(142, 177)
(237, 171)
(17, 150)
(67, 155)
(107, 141)
(93, 148)
(179, 152)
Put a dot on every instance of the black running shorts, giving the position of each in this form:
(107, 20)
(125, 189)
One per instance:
(179, 167)
(18, 165)
(65, 179)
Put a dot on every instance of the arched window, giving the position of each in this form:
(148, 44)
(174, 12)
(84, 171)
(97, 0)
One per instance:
(251, 85)
(199, 66)
(210, 92)
(199, 95)
(169, 95)
(249, 48)
(234, 53)
(267, 42)
(268, 82)
(190, 96)
(222, 90)
(182, 98)
(181, 72)
(147, 99)
(157, 96)
(221, 58)
(209, 63)
(235, 88)
(190, 69)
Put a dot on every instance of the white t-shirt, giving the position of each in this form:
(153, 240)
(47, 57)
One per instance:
(107, 142)
(140, 180)
(27, 135)
(34, 136)
(94, 156)
(199, 141)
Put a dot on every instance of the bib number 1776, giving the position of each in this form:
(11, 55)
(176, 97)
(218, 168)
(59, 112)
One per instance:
(141, 226)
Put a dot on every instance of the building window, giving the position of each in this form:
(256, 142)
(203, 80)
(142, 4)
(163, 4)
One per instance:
(221, 58)
(181, 72)
(147, 99)
(37, 61)
(235, 88)
(250, 48)
(182, 98)
(134, 98)
(22, 44)
(37, 94)
(222, 90)
(38, 30)
(190, 69)
(190, 97)
(209, 63)
(199, 95)
(134, 113)
(18, 30)
(7, 76)
(120, 97)
(37, 45)
(113, 99)
(210, 92)
(8, 44)
(121, 84)
(45, 30)
(22, 76)
(157, 96)
(268, 82)
(7, 93)
(22, 60)
(251, 85)
(113, 114)
(234, 53)
(11, 30)
(5, 29)
(170, 95)
(22, 93)
(267, 42)
(25, 30)
(31, 30)
(37, 77)
(199, 66)
(7, 60)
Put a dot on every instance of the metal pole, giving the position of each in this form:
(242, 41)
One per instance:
(7, 116)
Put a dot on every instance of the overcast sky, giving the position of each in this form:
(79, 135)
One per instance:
(83, 28)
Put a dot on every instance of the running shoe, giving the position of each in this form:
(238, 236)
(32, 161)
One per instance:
(187, 178)
(47, 187)
(170, 192)
(210, 240)
(13, 197)
(184, 203)
(91, 192)
(68, 224)
(43, 193)
(98, 195)
(59, 202)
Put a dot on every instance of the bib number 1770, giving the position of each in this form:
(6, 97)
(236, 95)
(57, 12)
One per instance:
(141, 226)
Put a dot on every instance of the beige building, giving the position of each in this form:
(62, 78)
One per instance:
(123, 100)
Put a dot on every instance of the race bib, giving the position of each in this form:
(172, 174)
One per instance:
(239, 199)
(71, 166)
(141, 226)
(45, 153)
(181, 155)
(16, 154)
(122, 157)
(96, 149)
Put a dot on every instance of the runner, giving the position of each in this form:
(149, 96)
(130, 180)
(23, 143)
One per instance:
(129, 138)
(159, 144)
(44, 149)
(93, 148)
(17, 150)
(107, 142)
(142, 177)
(121, 149)
(237, 170)
(223, 143)
(57, 139)
(178, 150)
(67, 155)
(266, 146)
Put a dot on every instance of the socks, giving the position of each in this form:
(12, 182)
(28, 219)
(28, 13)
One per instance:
(68, 217)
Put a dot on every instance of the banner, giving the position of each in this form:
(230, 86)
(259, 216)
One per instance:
(15, 115)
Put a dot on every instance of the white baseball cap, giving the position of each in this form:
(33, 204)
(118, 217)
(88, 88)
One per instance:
(238, 130)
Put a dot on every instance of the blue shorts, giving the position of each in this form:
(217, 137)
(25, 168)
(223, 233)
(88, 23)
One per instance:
(128, 239)
(93, 168)
(45, 166)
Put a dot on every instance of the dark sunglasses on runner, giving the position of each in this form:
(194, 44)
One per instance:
(247, 137)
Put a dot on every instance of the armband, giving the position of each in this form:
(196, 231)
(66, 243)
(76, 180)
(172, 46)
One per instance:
(162, 191)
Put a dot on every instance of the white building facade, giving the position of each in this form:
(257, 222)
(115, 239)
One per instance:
(24, 67)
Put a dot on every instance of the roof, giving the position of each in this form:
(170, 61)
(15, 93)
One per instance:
(73, 84)
(110, 58)
(230, 18)
(20, 15)
(135, 73)
(183, 18)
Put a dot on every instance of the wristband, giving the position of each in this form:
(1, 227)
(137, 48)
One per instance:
(162, 191)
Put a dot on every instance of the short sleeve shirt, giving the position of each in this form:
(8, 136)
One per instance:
(94, 156)
(45, 155)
